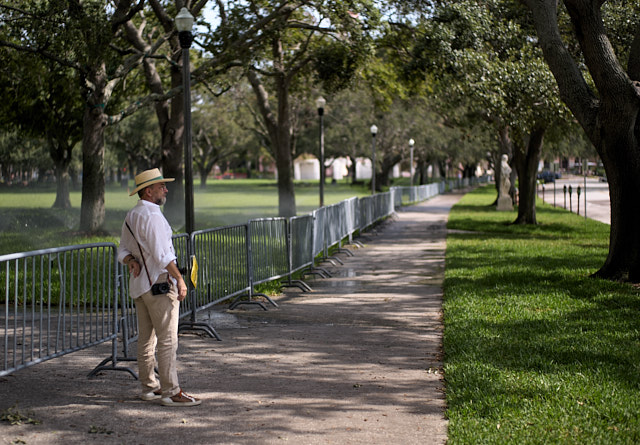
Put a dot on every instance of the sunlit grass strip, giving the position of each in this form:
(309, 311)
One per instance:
(535, 350)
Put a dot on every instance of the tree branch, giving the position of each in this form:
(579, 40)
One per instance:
(573, 88)
(141, 103)
(633, 68)
(44, 53)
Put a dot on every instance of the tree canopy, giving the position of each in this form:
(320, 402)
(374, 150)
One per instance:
(461, 78)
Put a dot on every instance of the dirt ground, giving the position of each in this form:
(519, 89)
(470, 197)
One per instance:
(355, 361)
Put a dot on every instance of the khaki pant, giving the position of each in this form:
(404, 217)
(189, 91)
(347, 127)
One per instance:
(158, 326)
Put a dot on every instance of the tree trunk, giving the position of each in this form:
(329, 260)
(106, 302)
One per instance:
(92, 210)
(609, 118)
(279, 129)
(61, 155)
(353, 169)
(619, 151)
(203, 177)
(526, 163)
(388, 162)
(284, 158)
(63, 200)
(172, 163)
(422, 170)
(469, 171)
(172, 125)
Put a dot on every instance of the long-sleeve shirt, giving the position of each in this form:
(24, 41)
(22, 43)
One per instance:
(153, 233)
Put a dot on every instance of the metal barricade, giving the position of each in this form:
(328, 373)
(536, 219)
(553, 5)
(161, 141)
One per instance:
(319, 217)
(351, 217)
(223, 264)
(268, 237)
(358, 217)
(267, 256)
(181, 247)
(331, 232)
(188, 320)
(300, 243)
(336, 229)
(57, 301)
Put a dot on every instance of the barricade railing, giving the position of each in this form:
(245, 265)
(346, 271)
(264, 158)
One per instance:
(267, 256)
(269, 250)
(300, 243)
(181, 246)
(223, 264)
(409, 195)
(332, 231)
(318, 245)
(376, 207)
(351, 209)
(339, 225)
(57, 301)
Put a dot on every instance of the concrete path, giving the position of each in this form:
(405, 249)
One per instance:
(356, 361)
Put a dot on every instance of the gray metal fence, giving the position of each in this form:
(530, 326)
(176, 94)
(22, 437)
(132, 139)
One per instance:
(223, 264)
(57, 301)
(301, 242)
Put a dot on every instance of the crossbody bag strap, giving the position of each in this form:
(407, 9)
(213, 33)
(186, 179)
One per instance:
(141, 255)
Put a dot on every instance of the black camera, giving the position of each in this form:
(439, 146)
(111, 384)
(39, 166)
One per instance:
(160, 288)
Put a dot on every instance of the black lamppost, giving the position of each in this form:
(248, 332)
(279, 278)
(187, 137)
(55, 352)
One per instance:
(184, 24)
(374, 131)
(320, 103)
(411, 144)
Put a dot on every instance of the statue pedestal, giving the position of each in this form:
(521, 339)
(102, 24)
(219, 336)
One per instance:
(504, 204)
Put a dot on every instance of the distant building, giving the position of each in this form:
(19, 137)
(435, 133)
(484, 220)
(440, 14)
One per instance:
(307, 167)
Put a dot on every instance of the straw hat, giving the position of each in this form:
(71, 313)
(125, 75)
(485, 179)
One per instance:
(147, 178)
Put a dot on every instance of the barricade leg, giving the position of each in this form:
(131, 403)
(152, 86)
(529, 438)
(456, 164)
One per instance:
(193, 325)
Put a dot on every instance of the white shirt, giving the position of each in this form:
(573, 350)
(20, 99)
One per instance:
(153, 233)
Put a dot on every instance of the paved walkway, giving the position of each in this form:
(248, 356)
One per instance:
(356, 361)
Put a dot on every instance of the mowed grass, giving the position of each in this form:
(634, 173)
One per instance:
(536, 351)
(27, 221)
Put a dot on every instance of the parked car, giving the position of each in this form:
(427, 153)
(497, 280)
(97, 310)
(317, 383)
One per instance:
(548, 176)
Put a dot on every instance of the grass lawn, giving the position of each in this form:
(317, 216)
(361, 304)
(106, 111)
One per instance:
(535, 350)
(28, 222)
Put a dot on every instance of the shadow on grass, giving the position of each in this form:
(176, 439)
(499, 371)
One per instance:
(529, 335)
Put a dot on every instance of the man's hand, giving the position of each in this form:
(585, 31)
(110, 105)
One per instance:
(134, 267)
(173, 270)
(182, 289)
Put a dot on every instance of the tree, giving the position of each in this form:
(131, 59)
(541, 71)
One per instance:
(42, 100)
(348, 117)
(217, 134)
(81, 36)
(169, 102)
(20, 156)
(136, 141)
(606, 104)
(222, 49)
(299, 41)
(481, 56)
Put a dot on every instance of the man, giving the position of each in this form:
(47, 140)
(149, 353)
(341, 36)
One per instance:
(157, 288)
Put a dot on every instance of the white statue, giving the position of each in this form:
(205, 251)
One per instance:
(504, 198)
